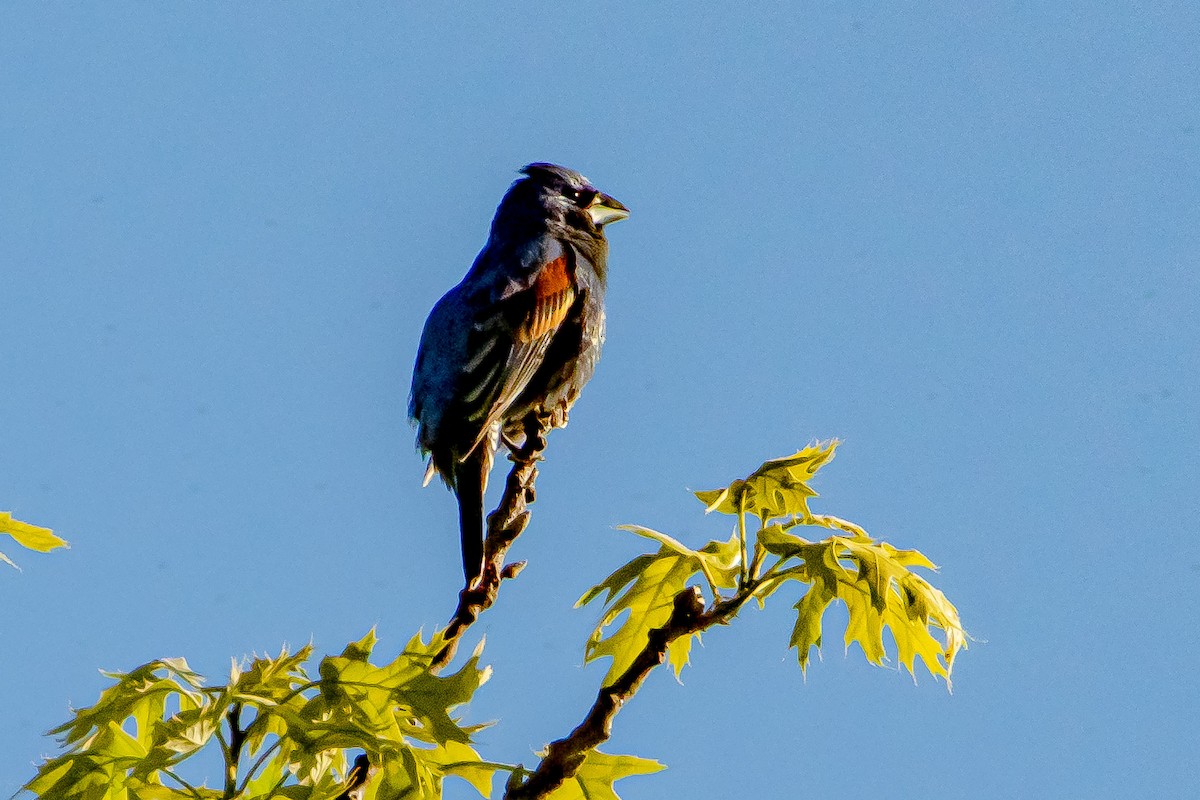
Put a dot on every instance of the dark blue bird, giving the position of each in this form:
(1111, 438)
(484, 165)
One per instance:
(520, 334)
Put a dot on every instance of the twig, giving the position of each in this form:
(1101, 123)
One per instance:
(237, 737)
(564, 757)
(505, 524)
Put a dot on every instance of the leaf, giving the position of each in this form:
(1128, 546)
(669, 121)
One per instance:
(806, 634)
(148, 683)
(615, 582)
(270, 681)
(49, 774)
(461, 761)
(267, 777)
(41, 540)
(720, 564)
(117, 745)
(70, 776)
(31, 537)
(653, 581)
(402, 698)
(192, 728)
(598, 773)
(361, 650)
(141, 790)
(679, 652)
(880, 591)
(779, 488)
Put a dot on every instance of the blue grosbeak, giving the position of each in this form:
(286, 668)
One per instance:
(519, 335)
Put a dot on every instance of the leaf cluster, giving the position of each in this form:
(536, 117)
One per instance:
(874, 580)
(281, 732)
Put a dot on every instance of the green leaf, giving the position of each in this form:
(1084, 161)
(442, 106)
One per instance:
(49, 774)
(880, 591)
(41, 540)
(401, 699)
(598, 773)
(779, 488)
(905, 603)
(617, 581)
(271, 681)
(70, 777)
(142, 790)
(647, 604)
(806, 634)
(461, 761)
(148, 684)
(267, 778)
(778, 540)
(148, 714)
(719, 562)
(653, 581)
(679, 653)
(834, 523)
(191, 728)
(362, 649)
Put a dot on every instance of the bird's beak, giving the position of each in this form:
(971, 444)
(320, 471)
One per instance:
(604, 209)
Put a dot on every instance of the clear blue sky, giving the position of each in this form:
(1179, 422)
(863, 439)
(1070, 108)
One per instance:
(962, 238)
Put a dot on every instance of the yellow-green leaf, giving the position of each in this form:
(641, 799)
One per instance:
(29, 536)
(653, 581)
(266, 778)
(118, 744)
(49, 774)
(880, 591)
(461, 761)
(779, 488)
(719, 561)
(41, 540)
(645, 605)
(809, 612)
(598, 773)
(679, 652)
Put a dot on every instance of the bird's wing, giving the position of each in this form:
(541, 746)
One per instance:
(509, 342)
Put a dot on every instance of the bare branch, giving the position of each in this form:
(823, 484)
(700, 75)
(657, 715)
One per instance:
(505, 524)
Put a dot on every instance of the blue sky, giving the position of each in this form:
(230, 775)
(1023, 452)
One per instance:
(963, 238)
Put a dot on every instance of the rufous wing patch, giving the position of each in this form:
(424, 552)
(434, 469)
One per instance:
(553, 295)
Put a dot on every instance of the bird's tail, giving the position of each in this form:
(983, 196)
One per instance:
(470, 481)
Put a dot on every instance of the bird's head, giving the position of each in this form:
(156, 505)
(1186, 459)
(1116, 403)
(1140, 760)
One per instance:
(566, 196)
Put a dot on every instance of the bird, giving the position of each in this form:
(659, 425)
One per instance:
(519, 335)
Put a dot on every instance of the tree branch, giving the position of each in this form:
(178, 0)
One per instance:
(505, 524)
(564, 757)
(237, 738)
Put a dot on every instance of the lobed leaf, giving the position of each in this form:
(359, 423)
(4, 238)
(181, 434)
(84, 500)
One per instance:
(598, 773)
(136, 694)
(461, 761)
(779, 488)
(642, 595)
(875, 581)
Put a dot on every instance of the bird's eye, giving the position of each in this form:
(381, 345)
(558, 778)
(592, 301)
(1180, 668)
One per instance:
(581, 197)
